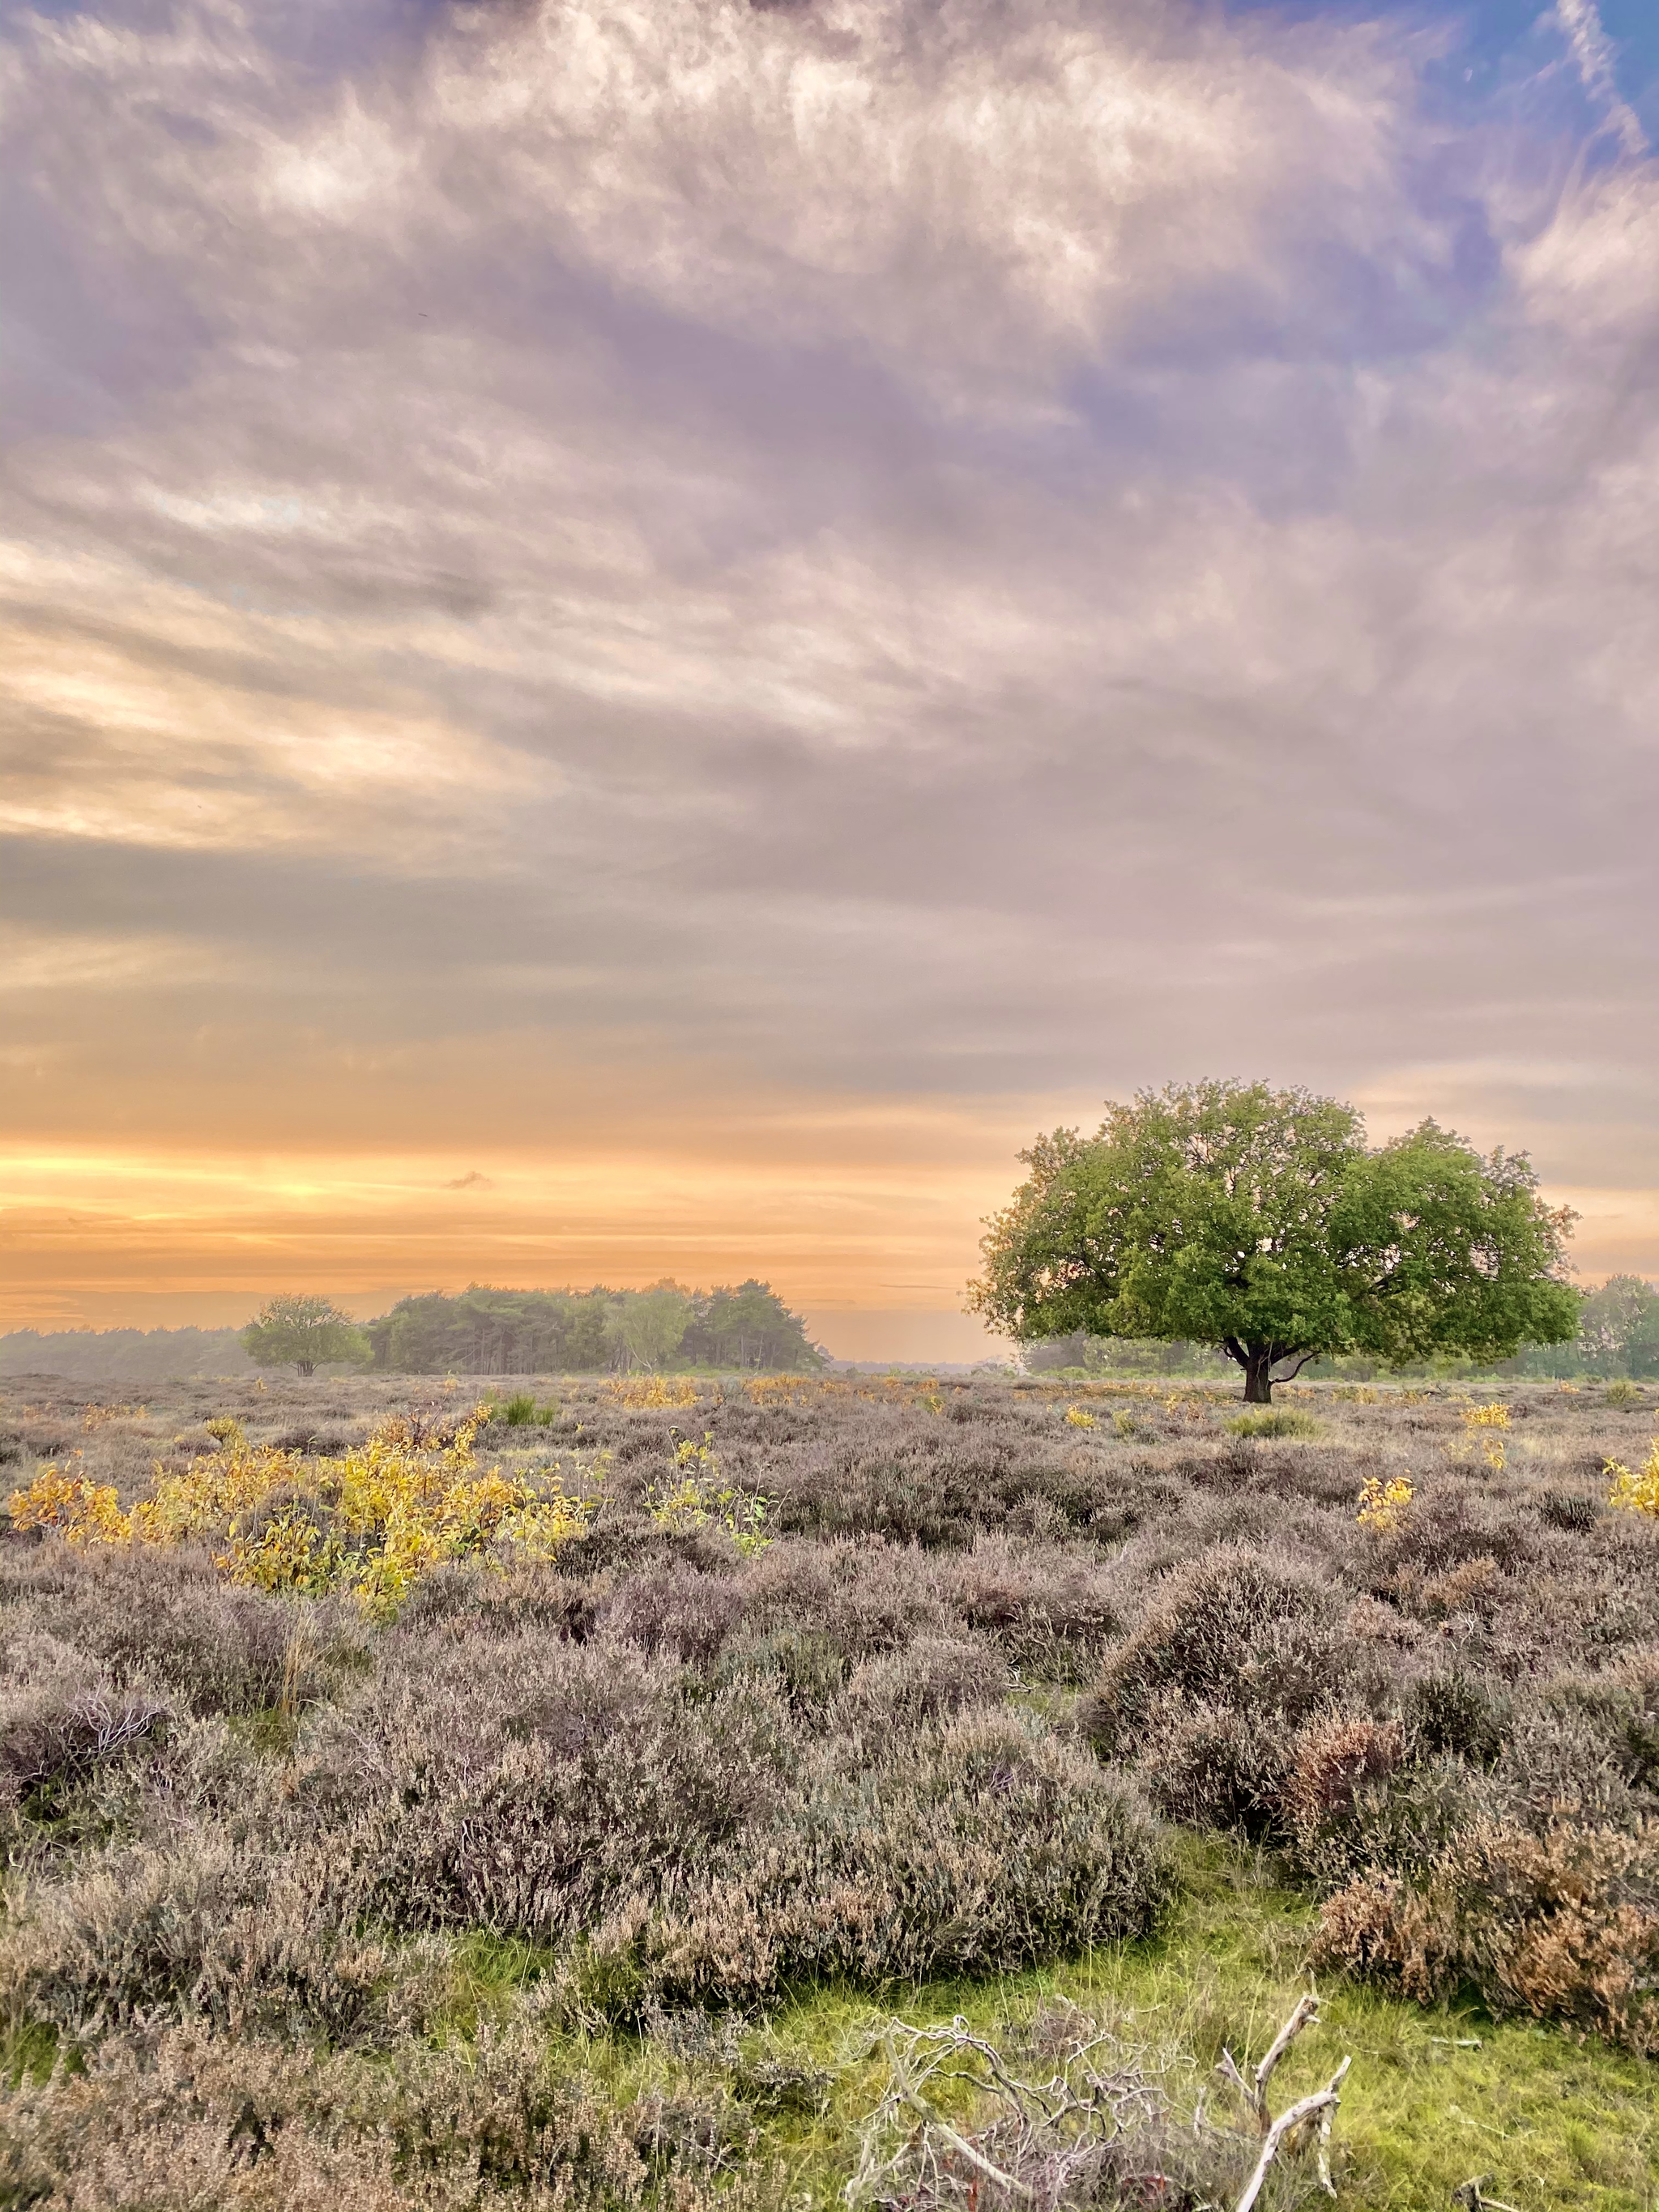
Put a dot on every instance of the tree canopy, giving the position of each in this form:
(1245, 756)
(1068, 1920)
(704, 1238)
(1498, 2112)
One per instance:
(1261, 1222)
(306, 1332)
(650, 1326)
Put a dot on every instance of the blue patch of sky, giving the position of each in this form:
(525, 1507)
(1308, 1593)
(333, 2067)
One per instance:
(1491, 39)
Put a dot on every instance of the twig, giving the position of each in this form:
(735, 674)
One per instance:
(1323, 2101)
(978, 2158)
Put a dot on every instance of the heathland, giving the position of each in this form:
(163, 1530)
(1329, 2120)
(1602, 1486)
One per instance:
(557, 1800)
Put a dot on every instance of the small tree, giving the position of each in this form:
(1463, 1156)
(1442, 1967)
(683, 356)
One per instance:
(1258, 1221)
(649, 1326)
(307, 1332)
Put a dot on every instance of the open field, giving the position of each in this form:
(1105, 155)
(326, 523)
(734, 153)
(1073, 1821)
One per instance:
(409, 1810)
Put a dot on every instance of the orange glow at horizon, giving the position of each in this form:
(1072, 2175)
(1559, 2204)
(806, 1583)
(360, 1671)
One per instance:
(97, 1237)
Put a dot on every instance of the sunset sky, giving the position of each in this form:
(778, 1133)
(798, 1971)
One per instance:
(638, 637)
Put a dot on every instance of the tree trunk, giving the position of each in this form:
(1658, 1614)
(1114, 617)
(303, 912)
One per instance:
(1258, 1376)
(305, 1366)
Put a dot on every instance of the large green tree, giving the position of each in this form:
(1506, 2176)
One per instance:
(306, 1332)
(1259, 1221)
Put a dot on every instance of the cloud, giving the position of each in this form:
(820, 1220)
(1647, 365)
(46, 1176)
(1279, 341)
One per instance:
(683, 569)
(1592, 52)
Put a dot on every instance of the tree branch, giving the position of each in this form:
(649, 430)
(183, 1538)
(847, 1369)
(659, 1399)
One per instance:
(1301, 1359)
(1254, 2090)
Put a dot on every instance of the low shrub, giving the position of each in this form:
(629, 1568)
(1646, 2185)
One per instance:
(1206, 1625)
(174, 2120)
(1273, 1421)
(983, 1845)
(1213, 1766)
(1563, 1925)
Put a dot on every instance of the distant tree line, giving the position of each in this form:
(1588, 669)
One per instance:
(482, 1331)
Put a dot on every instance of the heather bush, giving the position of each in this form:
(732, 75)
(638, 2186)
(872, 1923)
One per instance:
(1208, 1624)
(1049, 1609)
(981, 1843)
(1562, 1925)
(177, 2120)
(1212, 1766)
(934, 1676)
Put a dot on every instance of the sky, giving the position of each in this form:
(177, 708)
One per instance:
(638, 638)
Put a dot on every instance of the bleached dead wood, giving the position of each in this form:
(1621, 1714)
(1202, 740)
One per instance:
(1321, 2104)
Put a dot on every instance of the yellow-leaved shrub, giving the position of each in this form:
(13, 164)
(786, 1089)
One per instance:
(369, 1522)
(1637, 1489)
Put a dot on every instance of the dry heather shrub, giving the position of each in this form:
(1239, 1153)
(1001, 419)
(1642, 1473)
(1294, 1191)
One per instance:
(1206, 1624)
(236, 1939)
(1049, 1609)
(937, 1675)
(680, 1609)
(709, 1842)
(1211, 1766)
(161, 1620)
(174, 2121)
(1568, 1510)
(529, 1786)
(52, 1737)
(1454, 1518)
(1453, 1710)
(1335, 1757)
(884, 1471)
(1564, 1925)
(866, 1596)
(1379, 1928)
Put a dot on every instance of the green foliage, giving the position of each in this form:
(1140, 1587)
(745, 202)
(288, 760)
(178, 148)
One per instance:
(519, 1412)
(305, 1332)
(1259, 1221)
(1619, 1328)
(698, 1498)
(748, 1325)
(493, 1331)
(650, 1326)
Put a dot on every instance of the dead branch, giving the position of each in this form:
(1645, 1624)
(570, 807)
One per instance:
(1322, 2102)
(1102, 2119)
(1254, 2090)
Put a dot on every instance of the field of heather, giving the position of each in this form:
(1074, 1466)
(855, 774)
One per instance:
(611, 1793)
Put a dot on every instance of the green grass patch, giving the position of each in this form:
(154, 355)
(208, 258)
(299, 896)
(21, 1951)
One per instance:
(1273, 1421)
